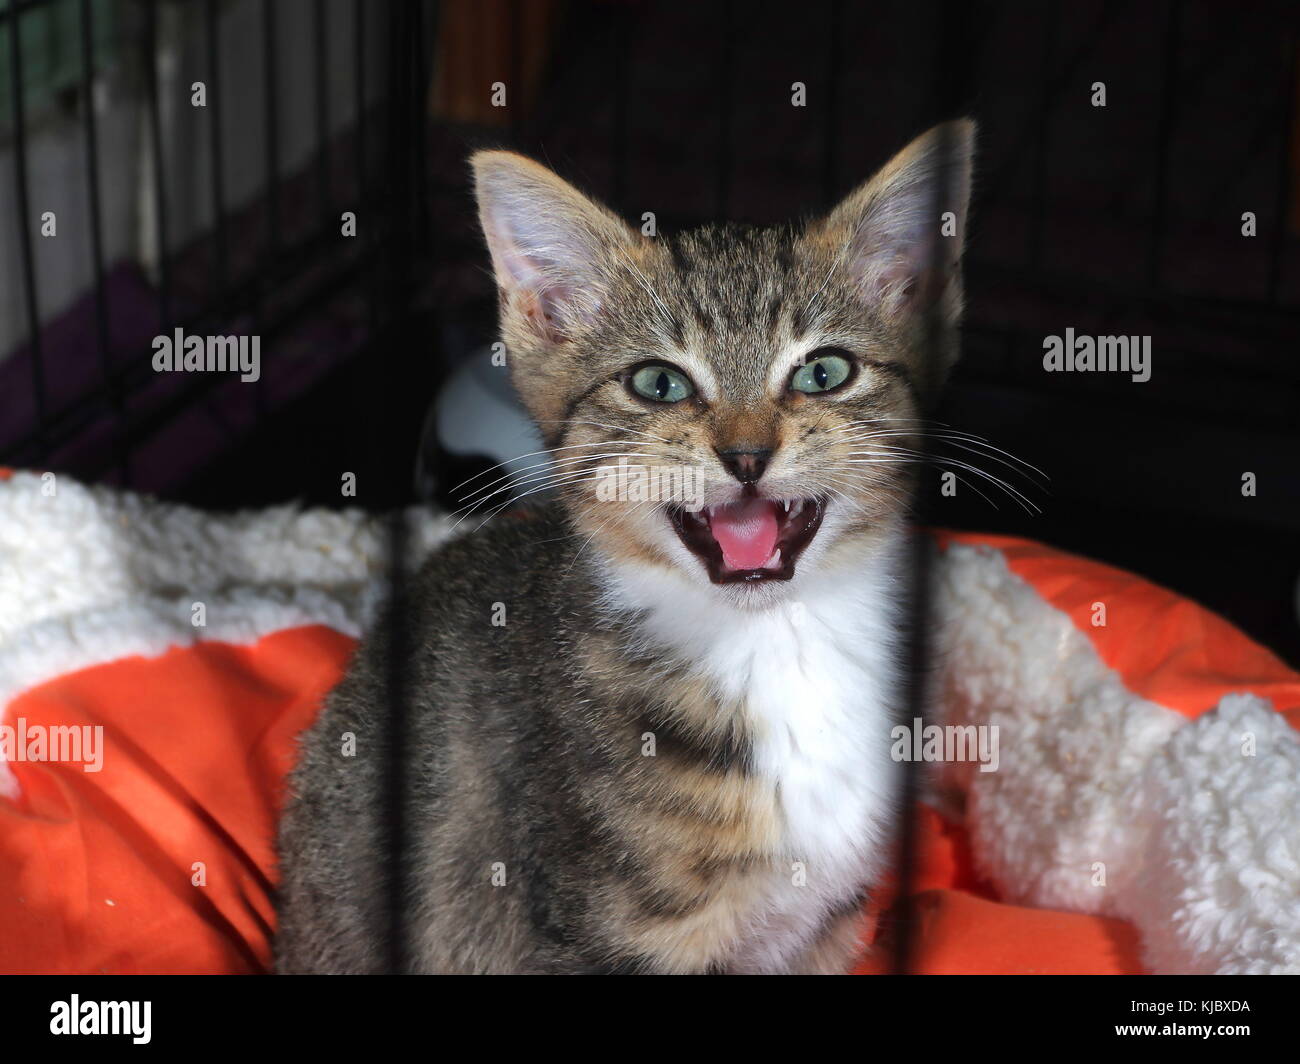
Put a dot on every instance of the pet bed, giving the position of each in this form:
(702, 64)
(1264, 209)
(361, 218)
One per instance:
(1142, 817)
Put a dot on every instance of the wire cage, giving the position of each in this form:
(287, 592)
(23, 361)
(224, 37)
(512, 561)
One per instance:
(295, 171)
(1123, 218)
(270, 264)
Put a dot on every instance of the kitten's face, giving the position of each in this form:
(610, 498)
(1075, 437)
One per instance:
(760, 386)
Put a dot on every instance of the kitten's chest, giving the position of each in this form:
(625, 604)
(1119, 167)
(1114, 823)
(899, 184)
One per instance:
(812, 684)
(797, 827)
(818, 701)
(819, 718)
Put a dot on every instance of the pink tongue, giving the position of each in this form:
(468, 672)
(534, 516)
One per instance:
(746, 532)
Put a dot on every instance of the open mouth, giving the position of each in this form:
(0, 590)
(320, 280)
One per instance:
(754, 539)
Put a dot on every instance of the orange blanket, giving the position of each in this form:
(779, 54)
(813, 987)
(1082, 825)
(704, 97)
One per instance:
(162, 861)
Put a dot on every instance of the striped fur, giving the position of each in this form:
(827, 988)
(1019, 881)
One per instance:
(641, 770)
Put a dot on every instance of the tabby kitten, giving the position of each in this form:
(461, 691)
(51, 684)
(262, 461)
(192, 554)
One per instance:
(673, 755)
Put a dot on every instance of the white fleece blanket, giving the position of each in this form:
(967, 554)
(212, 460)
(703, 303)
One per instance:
(1102, 802)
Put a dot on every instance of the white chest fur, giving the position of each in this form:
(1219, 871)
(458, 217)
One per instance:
(817, 676)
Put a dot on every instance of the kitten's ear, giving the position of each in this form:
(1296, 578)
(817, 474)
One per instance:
(548, 242)
(902, 233)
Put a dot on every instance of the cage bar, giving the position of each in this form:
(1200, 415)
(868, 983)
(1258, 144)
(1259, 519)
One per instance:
(272, 126)
(1281, 215)
(23, 205)
(103, 336)
(722, 179)
(320, 58)
(221, 247)
(159, 165)
(830, 111)
(1164, 135)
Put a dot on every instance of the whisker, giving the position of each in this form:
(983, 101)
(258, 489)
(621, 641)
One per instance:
(1020, 466)
(546, 479)
(533, 454)
(949, 434)
(865, 481)
(603, 425)
(886, 455)
(523, 475)
(600, 528)
(571, 478)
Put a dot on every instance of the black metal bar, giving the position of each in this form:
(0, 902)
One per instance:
(619, 77)
(130, 374)
(1038, 222)
(830, 106)
(399, 291)
(159, 171)
(514, 90)
(1164, 135)
(272, 189)
(200, 386)
(951, 82)
(269, 59)
(1267, 120)
(359, 61)
(20, 7)
(1192, 84)
(1280, 220)
(419, 92)
(1067, 77)
(215, 146)
(398, 652)
(320, 33)
(722, 188)
(365, 225)
(24, 228)
(103, 337)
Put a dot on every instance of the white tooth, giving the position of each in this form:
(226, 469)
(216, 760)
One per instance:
(786, 504)
(773, 562)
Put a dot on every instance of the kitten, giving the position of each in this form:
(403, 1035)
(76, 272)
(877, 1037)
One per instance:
(673, 755)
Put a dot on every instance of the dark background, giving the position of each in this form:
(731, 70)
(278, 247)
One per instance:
(1123, 219)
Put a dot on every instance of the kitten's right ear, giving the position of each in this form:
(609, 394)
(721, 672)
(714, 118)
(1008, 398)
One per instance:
(890, 229)
(549, 244)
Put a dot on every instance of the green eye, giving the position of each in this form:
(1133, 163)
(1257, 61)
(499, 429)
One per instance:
(821, 374)
(663, 384)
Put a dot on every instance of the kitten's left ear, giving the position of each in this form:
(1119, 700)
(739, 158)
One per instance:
(901, 234)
